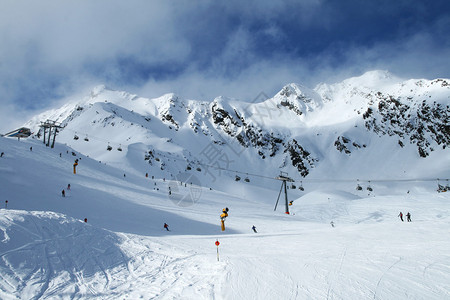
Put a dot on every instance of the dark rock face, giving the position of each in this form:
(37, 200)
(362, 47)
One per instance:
(422, 124)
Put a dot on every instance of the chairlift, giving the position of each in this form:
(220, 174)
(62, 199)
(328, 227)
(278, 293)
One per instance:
(75, 137)
(157, 158)
(237, 178)
(301, 187)
(86, 139)
(120, 148)
(188, 168)
(293, 186)
(442, 188)
(369, 188)
(358, 187)
(198, 169)
(109, 148)
(247, 179)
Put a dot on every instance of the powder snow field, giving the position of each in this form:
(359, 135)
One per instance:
(123, 252)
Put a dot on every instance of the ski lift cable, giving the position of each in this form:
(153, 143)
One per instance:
(311, 180)
(92, 137)
(300, 180)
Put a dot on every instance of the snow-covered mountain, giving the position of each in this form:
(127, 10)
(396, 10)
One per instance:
(375, 120)
(360, 152)
(338, 242)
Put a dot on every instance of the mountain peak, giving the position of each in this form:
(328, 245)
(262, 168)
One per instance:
(373, 79)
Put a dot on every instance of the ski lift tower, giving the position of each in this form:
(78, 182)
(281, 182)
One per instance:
(284, 178)
(50, 125)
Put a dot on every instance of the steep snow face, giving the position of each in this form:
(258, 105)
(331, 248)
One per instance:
(296, 131)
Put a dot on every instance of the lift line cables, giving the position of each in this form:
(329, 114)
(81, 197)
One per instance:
(298, 180)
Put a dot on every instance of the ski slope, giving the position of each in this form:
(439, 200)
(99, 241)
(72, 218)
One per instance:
(47, 251)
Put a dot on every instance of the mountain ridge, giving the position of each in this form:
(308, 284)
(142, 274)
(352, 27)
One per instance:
(297, 130)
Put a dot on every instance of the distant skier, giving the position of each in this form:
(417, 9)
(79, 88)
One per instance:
(68, 187)
(31, 148)
(332, 224)
(408, 217)
(63, 193)
(166, 226)
(85, 220)
(1, 155)
(254, 229)
(401, 216)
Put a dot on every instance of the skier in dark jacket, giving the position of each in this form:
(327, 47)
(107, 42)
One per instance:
(408, 217)
(254, 229)
(401, 216)
(166, 226)
(63, 193)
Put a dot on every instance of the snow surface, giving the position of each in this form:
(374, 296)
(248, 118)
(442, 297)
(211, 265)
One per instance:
(47, 251)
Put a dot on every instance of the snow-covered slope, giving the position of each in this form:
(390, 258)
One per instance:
(47, 251)
(359, 151)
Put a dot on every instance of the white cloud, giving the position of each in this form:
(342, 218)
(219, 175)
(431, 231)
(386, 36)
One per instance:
(57, 48)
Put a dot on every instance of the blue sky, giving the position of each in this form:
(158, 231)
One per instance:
(50, 50)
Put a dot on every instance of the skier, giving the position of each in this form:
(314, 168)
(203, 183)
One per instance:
(68, 187)
(332, 224)
(254, 229)
(1, 155)
(166, 226)
(63, 193)
(401, 216)
(85, 220)
(408, 217)
(31, 148)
